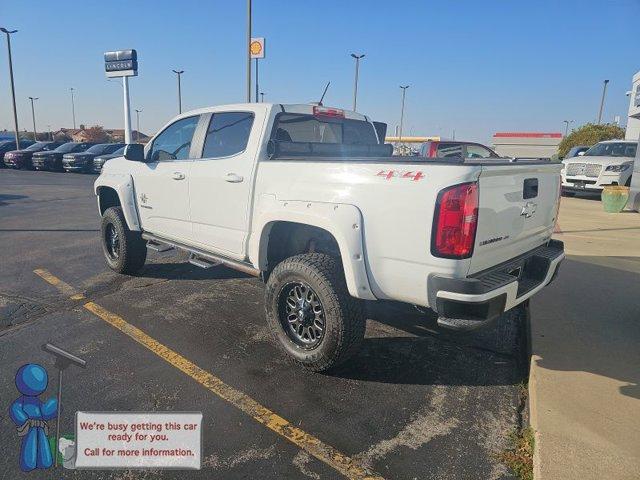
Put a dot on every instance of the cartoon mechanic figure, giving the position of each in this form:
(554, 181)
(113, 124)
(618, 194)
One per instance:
(30, 414)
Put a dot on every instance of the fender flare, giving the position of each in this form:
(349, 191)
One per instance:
(122, 184)
(343, 221)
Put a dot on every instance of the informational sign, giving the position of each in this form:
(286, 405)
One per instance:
(256, 47)
(138, 440)
(121, 63)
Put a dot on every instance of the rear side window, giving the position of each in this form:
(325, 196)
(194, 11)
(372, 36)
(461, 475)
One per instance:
(228, 134)
(293, 127)
(476, 151)
(446, 150)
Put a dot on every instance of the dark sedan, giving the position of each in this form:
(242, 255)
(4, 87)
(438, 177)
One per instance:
(83, 161)
(9, 145)
(22, 158)
(100, 160)
(53, 160)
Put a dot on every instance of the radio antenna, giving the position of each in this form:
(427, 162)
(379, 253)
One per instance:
(324, 93)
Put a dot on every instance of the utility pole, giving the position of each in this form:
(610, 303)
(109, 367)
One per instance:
(257, 87)
(138, 124)
(179, 72)
(604, 92)
(73, 109)
(248, 51)
(355, 86)
(566, 126)
(13, 88)
(50, 134)
(261, 97)
(404, 91)
(33, 116)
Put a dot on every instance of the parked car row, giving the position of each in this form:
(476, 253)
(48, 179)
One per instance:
(82, 157)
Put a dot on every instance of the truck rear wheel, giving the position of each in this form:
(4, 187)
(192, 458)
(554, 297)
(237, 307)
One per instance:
(310, 311)
(125, 251)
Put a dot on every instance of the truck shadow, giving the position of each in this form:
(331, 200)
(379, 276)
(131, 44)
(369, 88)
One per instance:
(404, 346)
(5, 198)
(587, 321)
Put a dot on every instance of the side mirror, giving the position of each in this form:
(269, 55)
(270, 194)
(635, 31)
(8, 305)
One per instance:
(134, 152)
(580, 154)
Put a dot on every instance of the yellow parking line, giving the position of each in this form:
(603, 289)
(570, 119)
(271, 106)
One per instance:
(347, 466)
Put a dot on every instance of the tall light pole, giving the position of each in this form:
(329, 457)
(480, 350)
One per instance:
(33, 116)
(604, 92)
(13, 88)
(138, 124)
(261, 97)
(566, 126)
(179, 72)
(73, 108)
(248, 51)
(355, 86)
(404, 91)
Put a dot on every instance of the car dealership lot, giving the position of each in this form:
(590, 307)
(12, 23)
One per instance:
(415, 403)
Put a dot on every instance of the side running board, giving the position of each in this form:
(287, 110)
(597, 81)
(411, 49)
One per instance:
(198, 257)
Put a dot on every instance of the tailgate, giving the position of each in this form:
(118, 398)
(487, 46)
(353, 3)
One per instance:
(517, 211)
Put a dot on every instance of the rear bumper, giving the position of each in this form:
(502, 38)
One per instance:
(468, 303)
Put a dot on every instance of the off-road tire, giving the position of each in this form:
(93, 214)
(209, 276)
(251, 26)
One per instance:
(132, 249)
(343, 314)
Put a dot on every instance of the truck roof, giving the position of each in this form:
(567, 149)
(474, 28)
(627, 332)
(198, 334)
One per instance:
(304, 108)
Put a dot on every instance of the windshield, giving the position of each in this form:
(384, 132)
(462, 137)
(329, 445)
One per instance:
(613, 149)
(66, 147)
(97, 149)
(120, 151)
(36, 146)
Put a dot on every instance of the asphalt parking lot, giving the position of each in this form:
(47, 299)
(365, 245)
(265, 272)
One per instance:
(415, 403)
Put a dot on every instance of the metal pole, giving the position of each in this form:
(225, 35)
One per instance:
(50, 134)
(248, 51)
(257, 88)
(58, 416)
(355, 86)
(73, 109)
(179, 72)
(261, 97)
(138, 124)
(604, 92)
(127, 112)
(13, 88)
(33, 116)
(404, 91)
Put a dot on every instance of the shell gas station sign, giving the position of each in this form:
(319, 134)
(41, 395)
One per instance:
(256, 47)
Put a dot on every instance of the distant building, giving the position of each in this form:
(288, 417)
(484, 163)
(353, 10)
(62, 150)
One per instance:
(633, 122)
(526, 144)
(115, 134)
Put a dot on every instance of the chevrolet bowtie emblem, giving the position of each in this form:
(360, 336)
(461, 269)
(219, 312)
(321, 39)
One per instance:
(528, 209)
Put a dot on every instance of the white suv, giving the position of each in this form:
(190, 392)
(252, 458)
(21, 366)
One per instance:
(606, 163)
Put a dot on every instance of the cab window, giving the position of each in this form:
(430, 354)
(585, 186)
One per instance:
(476, 151)
(228, 134)
(447, 150)
(174, 143)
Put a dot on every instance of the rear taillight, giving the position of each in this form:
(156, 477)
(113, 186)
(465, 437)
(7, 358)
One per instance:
(433, 150)
(455, 221)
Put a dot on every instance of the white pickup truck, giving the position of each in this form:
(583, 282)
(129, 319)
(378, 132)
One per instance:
(310, 199)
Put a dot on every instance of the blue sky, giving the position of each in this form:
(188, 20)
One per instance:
(476, 66)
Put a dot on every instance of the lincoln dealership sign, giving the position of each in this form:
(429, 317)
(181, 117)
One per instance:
(122, 63)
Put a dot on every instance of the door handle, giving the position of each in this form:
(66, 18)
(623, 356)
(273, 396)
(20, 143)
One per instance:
(233, 178)
(177, 176)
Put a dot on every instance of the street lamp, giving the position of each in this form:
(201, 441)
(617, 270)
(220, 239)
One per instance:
(355, 87)
(404, 91)
(604, 92)
(261, 97)
(33, 116)
(138, 124)
(179, 72)
(73, 108)
(566, 126)
(13, 89)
